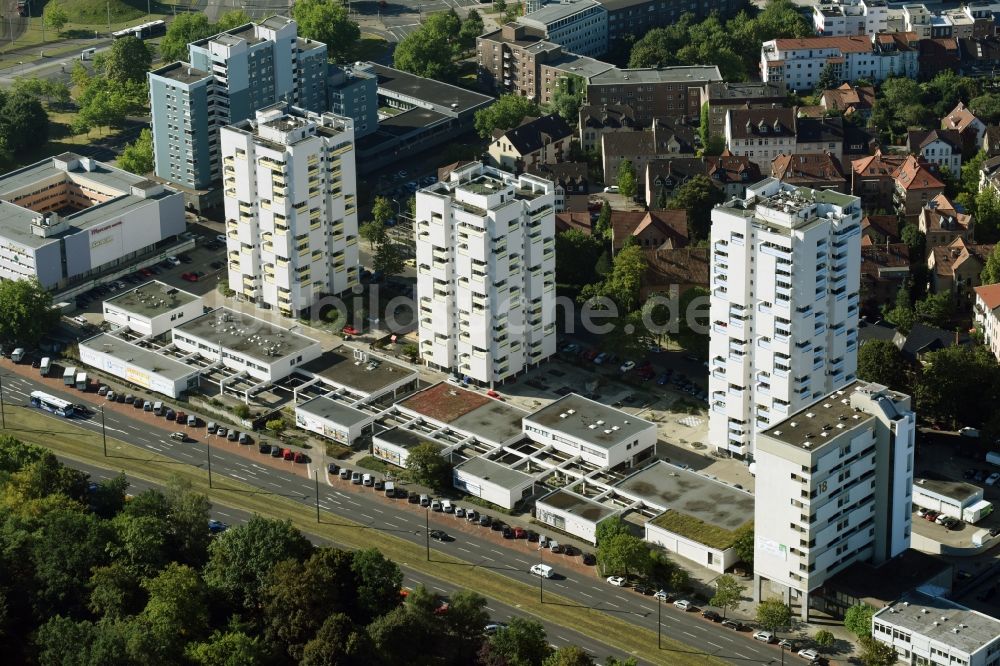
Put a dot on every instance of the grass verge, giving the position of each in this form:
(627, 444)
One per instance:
(73, 442)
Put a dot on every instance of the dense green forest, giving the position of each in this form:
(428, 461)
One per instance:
(90, 575)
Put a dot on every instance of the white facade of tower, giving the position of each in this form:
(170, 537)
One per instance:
(485, 243)
(291, 207)
(784, 306)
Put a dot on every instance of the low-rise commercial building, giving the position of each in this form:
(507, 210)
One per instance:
(492, 481)
(956, 499)
(152, 308)
(68, 219)
(599, 434)
(137, 365)
(251, 346)
(937, 632)
(333, 419)
(358, 376)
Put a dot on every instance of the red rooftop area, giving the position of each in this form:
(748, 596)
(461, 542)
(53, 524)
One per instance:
(445, 402)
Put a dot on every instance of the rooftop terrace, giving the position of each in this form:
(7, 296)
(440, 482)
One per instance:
(244, 334)
(151, 299)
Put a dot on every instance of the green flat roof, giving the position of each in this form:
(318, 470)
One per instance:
(698, 530)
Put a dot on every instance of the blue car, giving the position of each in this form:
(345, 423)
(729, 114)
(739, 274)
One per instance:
(217, 526)
(663, 379)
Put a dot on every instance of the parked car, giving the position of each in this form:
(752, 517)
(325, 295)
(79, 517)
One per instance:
(350, 330)
(617, 581)
(763, 636)
(276, 452)
(643, 589)
(264, 448)
(232, 436)
(663, 595)
(288, 454)
(626, 366)
(709, 614)
(808, 653)
(472, 515)
(300, 457)
(684, 605)
(589, 559)
(520, 533)
(734, 625)
(992, 479)
(192, 420)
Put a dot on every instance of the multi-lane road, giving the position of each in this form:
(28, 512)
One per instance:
(478, 546)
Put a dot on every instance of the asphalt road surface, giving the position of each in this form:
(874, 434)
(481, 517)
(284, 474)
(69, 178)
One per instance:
(478, 546)
(499, 612)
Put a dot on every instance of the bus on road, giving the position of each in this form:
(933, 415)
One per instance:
(143, 31)
(50, 403)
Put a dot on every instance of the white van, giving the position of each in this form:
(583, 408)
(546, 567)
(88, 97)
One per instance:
(542, 570)
(447, 506)
(87, 54)
(69, 376)
(45, 366)
(367, 480)
(158, 408)
(993, 457)
(17, 355)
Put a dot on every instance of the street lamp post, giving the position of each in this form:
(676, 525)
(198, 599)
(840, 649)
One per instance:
(208, 442)
(104, 433)
(3, 416)
(541, 577)
(427, 530)
(659, 617)
(317, 496)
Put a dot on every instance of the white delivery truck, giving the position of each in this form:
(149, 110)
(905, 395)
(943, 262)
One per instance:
(17, 355)
(81, 381)
(390, 489)
(45, 366)
(69, 376)
(973, 514)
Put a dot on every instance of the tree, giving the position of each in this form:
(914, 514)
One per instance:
(876, 653)
(472, 27)
(27, 312)
(55, 17)
(128, 59)
(610, 527)
(915, 240)
(986, 207)
(901, 314)
(991, 271)
(466, 617)
(176, 612)
(970, 174)
(426, 466)
(569, 655)
(24, 124)
(692, 330)
(230, 648)
(507, 112)
(521, 643)
(327, 21)
(184, 29)
(568, 97)
(698, 196)
(500, 6)
(627, 183)
(54, 92)
(728, 593)
(828, 78)
(104, 104)
(773, 614)
(67, 546)
(240, 559)
(858, 620)
(142, 544)
(623, 554)
(576, 256)
(339, 642)
(880, 361)
(234, 18)
(602, 228)
(944, 393)
(377, 581)
(187, 515)
(277, 426)
(115, 591)
(425, 54)
(936, 309)
(824, 638)
(137, 157)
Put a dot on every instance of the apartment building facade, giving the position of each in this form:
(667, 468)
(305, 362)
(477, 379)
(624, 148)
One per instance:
(851, 17)
(578, 26)
(786, 265)
(228, 77)
(485, 242)
(290, 197)
(834, 488)
(655, 92)
(798, 63)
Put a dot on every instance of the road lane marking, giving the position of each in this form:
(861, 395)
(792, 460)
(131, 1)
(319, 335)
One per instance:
(741, 656)
(716, 645)
(589, 596)
(688, 633)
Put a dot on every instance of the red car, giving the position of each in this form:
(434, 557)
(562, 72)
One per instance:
(190, 277)
(494, 394)
(288, 454)
(442, 608)
(520, 533)
(146, 272)
(350, 330)
(300, 457)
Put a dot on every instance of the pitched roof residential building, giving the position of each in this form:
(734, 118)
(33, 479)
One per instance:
(596, 119)
(991, 140)
(938, 54)
(884, 269)
(986, 313)
(851, 100)
(534, 141)
(938, 146)
(942, 223)
(725, 95)
(879, 229)
(684, 268)
(872, 179)
(923, 339)
(760, 134)
(818, 171)
(666, 138)
(666, 175)
(570, 178)
(915, 185)
(956, 267)
(655, 228)
(567, 221)
(732, 173)
(968, 125)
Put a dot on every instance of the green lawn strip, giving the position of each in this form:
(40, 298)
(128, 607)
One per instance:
(64, 438)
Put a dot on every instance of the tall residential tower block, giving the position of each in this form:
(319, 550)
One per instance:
(290, 194)
(486, 272)
(786, 264)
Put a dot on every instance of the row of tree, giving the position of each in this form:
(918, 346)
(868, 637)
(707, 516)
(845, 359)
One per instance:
(431, 50)
(92, 576)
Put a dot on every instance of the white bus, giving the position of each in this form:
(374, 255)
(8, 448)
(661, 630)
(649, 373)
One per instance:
(52, 404)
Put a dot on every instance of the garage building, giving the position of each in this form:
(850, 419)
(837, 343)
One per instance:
(957, 499)
(332, 419)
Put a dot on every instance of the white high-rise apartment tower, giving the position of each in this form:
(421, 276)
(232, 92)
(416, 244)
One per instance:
(291, 210)
(486, 272)
(834, 487)
(786, 265)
